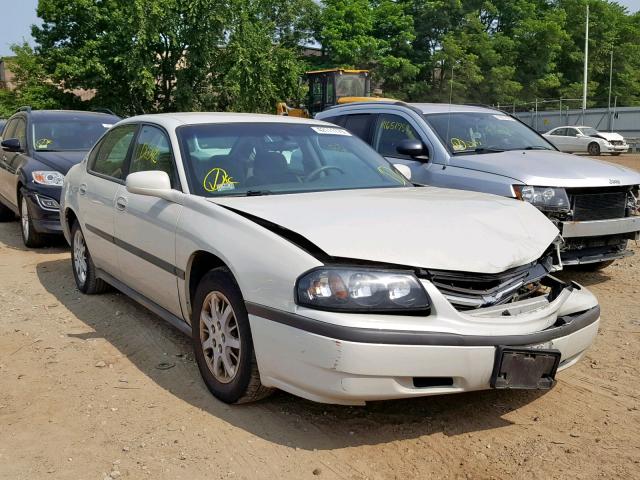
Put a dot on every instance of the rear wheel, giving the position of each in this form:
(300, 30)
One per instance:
(30, 237)
(222, 340)
(84, 271)
(594, 149)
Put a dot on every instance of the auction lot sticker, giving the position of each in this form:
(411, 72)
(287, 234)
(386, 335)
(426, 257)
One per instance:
(331, 131)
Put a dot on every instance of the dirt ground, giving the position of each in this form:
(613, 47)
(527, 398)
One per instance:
(99, 388)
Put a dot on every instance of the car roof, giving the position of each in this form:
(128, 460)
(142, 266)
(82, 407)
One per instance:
(425, 108)
(174, 120)
(65, 114)
(573, 126)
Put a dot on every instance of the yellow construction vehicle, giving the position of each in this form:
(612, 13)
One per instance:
(331, 87)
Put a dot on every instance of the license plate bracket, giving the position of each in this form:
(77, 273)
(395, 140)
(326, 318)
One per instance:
(525, 368)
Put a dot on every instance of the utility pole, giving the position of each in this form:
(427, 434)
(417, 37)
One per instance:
(610, 84)
(586, 65)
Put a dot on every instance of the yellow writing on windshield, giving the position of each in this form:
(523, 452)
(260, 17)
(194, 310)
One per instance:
(218, 179)
(459, 144)
(43, 143)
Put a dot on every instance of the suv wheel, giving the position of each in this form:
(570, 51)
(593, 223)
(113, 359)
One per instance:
(222, 340)
(30, 237)
(84, 271)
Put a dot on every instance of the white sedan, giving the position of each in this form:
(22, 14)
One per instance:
(587, 140)
(297, 258)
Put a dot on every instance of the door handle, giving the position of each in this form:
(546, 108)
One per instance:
(121, 203)
(82, 189)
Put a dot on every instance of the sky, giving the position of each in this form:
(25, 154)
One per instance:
(18, 16)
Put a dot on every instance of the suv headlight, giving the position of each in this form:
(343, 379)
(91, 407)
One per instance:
(344, 289)
(550, 199)
(45, 177)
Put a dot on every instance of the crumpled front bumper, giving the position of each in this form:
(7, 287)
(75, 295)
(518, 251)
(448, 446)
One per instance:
(351, 359)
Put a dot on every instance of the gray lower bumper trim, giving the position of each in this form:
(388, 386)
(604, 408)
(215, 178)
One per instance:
(597, 228)
(406, 337)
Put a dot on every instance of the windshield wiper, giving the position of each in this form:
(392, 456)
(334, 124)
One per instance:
(258, 193)
(537, 147)
(488, 150)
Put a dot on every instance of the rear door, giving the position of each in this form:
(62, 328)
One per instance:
(106, 171)
(145, 226)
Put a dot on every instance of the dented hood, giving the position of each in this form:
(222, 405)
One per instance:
(421, 227)
(609, 136)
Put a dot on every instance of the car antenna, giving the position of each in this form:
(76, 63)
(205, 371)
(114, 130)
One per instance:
(446, 162)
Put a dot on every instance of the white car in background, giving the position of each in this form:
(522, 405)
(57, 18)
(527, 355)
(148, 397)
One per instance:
(297, 258)
(586, 140)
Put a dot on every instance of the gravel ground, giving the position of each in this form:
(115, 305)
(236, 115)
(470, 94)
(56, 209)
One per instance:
(99, 388)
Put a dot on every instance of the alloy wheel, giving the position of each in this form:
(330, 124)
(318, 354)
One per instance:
(220, 337)
(24, 218)
(80, 256)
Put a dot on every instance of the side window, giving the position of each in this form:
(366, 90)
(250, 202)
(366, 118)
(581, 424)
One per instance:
(113, 151)
(358, 124)
(9, 129)
(560, 132)
(21, 132)
(390, 131)
(152, 151)
(571, 132)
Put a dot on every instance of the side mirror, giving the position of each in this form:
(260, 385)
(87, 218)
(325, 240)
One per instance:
(403, 169)
(152, 183)
(11, 145)
(412, 148)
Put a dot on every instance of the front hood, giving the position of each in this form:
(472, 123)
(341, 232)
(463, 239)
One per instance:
(548, 168)
(60, 161)
(609, 136)
(420, 227)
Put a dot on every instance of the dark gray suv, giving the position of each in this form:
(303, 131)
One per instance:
(38, 148)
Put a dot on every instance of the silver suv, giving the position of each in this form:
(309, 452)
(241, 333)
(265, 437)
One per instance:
(593, 203)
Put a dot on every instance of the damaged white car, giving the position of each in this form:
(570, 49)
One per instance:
(292, 253)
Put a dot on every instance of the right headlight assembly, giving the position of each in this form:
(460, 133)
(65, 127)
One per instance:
(550, 199)
(362, 290)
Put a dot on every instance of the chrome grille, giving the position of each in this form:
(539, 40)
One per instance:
(466, 291)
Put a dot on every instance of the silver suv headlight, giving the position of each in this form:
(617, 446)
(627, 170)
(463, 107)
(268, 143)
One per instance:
(552, 199)
(345, 289)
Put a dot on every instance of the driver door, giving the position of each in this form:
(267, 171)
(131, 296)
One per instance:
(145, 226)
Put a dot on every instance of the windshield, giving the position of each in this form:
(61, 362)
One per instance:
(588, 131)
(484, 132)
(272, 158)
(351, 85)
(79, 133)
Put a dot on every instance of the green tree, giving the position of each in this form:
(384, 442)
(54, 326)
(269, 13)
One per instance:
(32, 85)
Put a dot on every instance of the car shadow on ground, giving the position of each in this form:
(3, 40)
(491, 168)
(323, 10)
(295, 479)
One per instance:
(583, 277)
(149, 343)
(11, 238)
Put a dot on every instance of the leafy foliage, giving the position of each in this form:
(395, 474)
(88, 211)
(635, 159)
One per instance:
(245, 55)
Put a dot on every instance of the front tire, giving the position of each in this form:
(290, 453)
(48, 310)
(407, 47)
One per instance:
(222, 340)
(84, 271)
(30, 237)
(594, 149)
